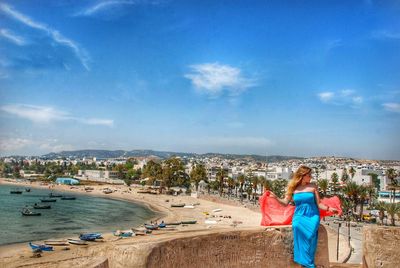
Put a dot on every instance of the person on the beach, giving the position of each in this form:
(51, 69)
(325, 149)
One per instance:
(306, 215)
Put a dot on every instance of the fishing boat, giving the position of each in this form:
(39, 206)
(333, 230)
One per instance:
(141, 231)
(43, 247)
(162, 225)
(68, 198)
(27, 190)
(56, 242)
(151, 226)
(177, 205)
(173, 223)
(189, 222)
(127, 233)
(90, 236)
(36, 206)
(28, 212)
(48, 200)
(52, 195)
(107, 191)
(15, 192)
(77, 241)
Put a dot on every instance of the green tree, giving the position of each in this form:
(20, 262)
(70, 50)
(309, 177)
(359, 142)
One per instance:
(362, 196)
(221, 175)
(278, 187)
(255, 182)
(351, 190)
(242, 180)
(153, 171)
(323, 185)
(345, 176)
(352, 172)
(391, 174)
(375, 181)
(197, 174)
(381, 206)
(172, 170)
(334, 182)
(392, 209)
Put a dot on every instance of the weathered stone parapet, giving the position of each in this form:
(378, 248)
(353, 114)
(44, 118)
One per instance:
(272, 247)
(381, 247)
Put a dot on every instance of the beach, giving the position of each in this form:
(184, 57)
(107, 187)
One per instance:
(226, 217)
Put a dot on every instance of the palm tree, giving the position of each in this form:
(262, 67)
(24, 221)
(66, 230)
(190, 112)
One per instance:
(231, 184)
(334, 182)
(381, 206)
(392, 209)
(345, 176)
(391, 175)
(221, 174)
(351, 190)
(255, 182)
(352, 172)
(362, 194)
(241, 180)
(323, 184)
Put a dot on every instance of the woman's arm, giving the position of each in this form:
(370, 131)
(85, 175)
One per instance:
(284, 201)
(320, 205)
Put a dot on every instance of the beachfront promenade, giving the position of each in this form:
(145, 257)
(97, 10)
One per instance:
(232, 226)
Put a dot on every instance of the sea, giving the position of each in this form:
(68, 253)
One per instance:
(66, 218)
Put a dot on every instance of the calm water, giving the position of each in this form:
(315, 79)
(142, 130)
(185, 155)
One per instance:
(66, 217)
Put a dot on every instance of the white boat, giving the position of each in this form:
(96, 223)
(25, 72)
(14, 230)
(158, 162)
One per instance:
(77, 241)
(56, 242)
(217, 210)
(188, 206)
(210, 222)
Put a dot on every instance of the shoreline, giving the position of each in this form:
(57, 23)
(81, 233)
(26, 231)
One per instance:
(229, 217)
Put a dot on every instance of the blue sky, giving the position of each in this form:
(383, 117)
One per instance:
(304, 78)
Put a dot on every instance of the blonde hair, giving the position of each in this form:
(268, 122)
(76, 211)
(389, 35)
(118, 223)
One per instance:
(297, 177)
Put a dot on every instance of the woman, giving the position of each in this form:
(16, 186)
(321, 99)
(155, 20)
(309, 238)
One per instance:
(306, 215)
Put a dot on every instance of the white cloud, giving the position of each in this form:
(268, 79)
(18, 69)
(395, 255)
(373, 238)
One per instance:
(392, 107)
(214, 78)
(47, 114)
(80, 53)
(385, 34)
(347, 92)
(13, 144)
(233, 142)
(37, 114)
(12, 37)
(326, 96)
(103, 6)
(342, 97)
(98, 121)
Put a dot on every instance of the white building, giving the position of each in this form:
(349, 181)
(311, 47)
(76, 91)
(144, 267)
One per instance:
(105, 176)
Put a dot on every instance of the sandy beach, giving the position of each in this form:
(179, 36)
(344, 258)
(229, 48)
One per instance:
(229, 217)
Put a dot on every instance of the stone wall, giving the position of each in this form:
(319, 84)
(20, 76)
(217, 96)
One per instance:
(381, 247)
(271, 248)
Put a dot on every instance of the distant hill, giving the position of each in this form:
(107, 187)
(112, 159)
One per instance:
(103, 154)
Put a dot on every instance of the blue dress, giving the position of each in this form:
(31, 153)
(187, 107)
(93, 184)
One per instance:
(305, 228)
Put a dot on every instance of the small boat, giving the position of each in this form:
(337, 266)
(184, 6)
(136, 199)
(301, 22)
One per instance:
(27, 190)
(189, 222)
(90, 236)
(162, 225)
(107, 191)
(36, 206)
(77, 241)
(28, 212)
(141, 231)
(15, 192)
(177, 205)
(68, 198)
(151, 226)
(54, 195)
(173, 223)
(89, 188)
(217, 210)
(56, 242)
(37, 247)
(48, 200)
(128, 233)
(188, 206)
